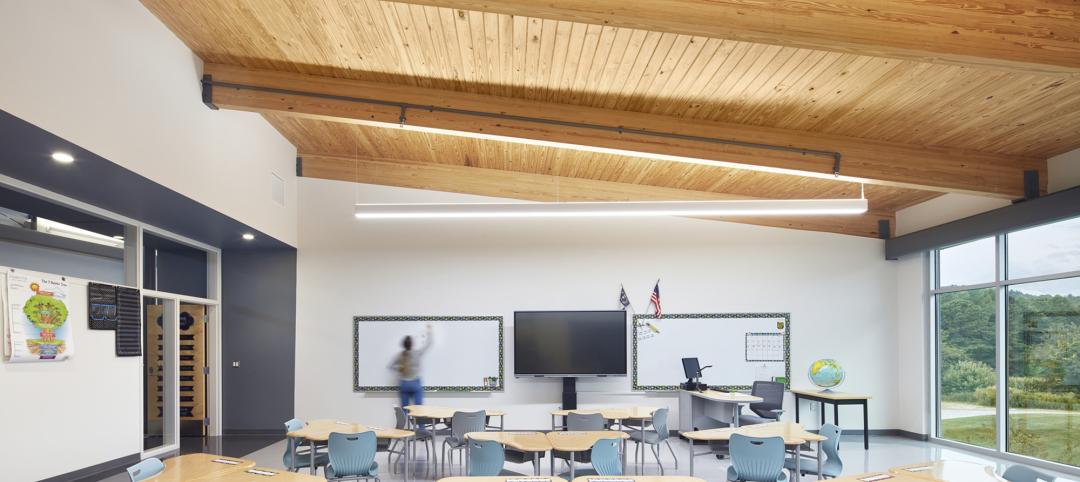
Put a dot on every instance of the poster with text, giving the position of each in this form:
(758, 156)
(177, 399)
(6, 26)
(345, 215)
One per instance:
(37, 309)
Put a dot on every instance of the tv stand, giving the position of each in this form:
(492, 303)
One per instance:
(569, 393)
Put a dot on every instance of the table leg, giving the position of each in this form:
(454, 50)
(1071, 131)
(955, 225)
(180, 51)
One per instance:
(312, 455)
(292, 451)
(623, 455)
(735, 415)
(571, 465)
(822, 413)
(819, 474)
(407, 453)
(641, 443)
(797, 408)
(691, 456)
(467, 456)
(836, 414)
(865, 428)
(536, 463)
(552, 460)
(798, 457)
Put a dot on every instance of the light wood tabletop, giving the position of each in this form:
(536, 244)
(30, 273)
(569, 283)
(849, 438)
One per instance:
(831, 395)
(261, 474)
(523, 441)
(581, 441)
(501, 479)
(434, 411)
(197, 466)
(641, 478)
(612, 413)
(792, 433)
(320, 430)
(730, 397)
(878, 477)
(948, 471)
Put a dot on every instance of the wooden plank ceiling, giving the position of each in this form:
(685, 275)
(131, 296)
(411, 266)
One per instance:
(1007, 112)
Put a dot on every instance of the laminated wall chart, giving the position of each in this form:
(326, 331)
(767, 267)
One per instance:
(36, 325)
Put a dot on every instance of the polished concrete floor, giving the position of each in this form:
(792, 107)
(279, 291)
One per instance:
(885, 452)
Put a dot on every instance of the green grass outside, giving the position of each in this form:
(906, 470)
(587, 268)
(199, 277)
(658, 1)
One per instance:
(1048, 436)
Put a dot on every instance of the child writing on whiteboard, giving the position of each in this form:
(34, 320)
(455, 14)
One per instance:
(407, 366)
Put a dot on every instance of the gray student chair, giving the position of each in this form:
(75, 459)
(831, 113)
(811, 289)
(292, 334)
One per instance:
(461, 424)
(580, 422)
(654, 437)
(422, 435)
(832, 466)
(1023, 473)
(770, 408)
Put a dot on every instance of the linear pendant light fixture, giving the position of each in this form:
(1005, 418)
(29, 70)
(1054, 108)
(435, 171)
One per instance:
(742, 207)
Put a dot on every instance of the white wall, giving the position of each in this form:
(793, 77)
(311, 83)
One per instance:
(112, 78)
(839, 290)
(63, 416)
(1064, 171)
(943, 209)
(912, 350)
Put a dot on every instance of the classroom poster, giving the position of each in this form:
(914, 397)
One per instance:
(37, 317)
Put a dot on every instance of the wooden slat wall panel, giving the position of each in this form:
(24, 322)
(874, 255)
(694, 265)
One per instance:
(665, 73)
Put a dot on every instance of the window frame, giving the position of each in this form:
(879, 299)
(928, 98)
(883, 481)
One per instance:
(1001, 285)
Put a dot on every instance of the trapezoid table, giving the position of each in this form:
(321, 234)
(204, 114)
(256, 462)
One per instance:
(836, 399)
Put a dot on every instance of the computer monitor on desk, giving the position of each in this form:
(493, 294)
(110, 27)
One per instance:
(692, 369)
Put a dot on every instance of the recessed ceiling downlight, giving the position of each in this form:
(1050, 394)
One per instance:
(248, 236)
(63, 157)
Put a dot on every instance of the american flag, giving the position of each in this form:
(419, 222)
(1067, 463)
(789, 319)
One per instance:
(623, 299)
(655, 299)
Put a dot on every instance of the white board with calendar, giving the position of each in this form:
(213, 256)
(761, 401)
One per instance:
(741, 347)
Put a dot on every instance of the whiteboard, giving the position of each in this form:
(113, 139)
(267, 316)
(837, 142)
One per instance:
(741, 347)
(466, 352)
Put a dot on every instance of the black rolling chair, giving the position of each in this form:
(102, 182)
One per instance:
(770, 408)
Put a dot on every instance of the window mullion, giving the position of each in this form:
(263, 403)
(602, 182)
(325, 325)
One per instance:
(1000, 298)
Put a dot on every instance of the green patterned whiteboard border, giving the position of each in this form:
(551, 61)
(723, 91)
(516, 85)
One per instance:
(438, 388)
(697, 316)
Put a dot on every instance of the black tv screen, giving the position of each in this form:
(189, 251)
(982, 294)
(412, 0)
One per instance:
(569, 343)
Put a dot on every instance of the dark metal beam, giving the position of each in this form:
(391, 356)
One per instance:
(1033, 212)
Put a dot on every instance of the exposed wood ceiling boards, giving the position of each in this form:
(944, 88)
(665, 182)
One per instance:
(538, 187)
(314, 138)
(1031, 35)
(1007, 112)
(876, 162)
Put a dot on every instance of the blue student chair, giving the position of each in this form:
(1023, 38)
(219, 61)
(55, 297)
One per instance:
(486, 459)
(352, 457)
(605, 460)
(654, 437)
(1023, 473)
(422, 435)
(460, 424)
(832, 466)
(300, 456)
(756, 459)
(581, 422)
(145, 469)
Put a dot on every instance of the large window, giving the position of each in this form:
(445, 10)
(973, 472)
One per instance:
(1007, 316)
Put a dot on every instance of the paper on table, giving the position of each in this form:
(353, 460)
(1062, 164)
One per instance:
(923, 468)
(265, 473)
(875, 478)
(226, 461)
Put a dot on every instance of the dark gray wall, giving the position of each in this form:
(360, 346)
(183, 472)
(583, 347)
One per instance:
(258, 325)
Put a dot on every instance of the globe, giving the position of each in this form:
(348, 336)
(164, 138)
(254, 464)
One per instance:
(826, 373)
